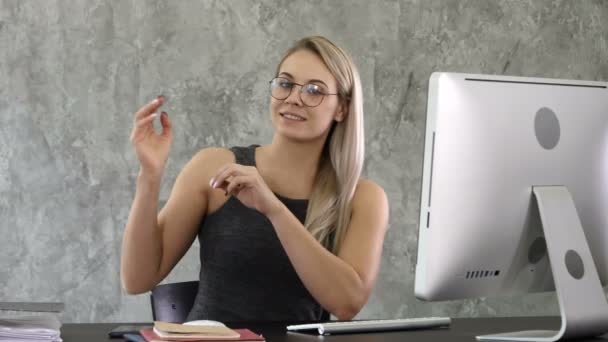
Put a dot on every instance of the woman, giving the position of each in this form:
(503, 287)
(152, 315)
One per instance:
(288, 231)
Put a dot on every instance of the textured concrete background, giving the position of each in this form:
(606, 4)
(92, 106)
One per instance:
(73, 72)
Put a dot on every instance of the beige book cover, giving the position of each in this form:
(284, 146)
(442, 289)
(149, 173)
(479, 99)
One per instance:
(173, 330)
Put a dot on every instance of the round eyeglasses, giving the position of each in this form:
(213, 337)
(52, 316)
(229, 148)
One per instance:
(311, 94)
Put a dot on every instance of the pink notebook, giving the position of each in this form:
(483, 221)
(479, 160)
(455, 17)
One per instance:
(246, 335)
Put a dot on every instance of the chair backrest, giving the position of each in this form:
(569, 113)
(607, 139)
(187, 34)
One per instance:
(172, 302)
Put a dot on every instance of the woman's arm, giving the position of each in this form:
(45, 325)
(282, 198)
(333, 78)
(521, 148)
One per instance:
(341, 284)
(153, 244)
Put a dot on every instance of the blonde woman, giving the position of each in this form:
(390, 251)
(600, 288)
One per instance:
(288, 231)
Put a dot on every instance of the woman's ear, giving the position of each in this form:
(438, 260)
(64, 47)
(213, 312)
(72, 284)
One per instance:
(342, 112)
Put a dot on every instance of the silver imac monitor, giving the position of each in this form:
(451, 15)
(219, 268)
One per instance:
(514, 195)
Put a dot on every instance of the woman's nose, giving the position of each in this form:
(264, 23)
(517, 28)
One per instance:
(294, 96)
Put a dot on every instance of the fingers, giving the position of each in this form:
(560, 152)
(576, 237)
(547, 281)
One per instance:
(164, 120)
(238, 183)
(150, 107)
(221, 178)
(145, 121)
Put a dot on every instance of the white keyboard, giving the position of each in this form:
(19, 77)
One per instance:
(372, 325)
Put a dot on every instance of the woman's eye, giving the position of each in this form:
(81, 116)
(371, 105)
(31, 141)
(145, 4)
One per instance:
(285, 84)
(313, 90)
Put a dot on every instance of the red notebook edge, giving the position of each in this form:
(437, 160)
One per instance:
(246, 335)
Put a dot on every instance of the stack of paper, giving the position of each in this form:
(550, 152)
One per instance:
(30, 329)
(31, 307)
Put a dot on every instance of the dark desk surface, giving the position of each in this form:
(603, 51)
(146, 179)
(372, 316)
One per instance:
(462, 329)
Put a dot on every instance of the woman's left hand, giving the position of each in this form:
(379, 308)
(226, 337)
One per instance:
(247, 185)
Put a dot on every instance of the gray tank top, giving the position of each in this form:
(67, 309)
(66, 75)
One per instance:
(245, 273)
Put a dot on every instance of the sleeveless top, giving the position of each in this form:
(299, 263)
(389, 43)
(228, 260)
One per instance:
(245, 273)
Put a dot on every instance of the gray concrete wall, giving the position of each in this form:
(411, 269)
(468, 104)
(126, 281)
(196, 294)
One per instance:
(72, 73)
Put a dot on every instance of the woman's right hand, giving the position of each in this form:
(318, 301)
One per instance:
(152, 148)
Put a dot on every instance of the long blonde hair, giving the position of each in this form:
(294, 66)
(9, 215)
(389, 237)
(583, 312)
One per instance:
(330, 204)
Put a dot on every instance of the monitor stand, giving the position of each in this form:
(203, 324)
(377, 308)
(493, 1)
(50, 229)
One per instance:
(582, 303)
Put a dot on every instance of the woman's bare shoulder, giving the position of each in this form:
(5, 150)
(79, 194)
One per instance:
(368, 192)
(367, 186)
(205, 164)
(210, 158)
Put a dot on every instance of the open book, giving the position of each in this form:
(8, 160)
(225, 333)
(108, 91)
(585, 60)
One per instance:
(164, 331)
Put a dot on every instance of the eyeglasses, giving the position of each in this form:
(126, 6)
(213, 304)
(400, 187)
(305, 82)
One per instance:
(311, 95)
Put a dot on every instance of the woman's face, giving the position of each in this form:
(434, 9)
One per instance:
(291, 117)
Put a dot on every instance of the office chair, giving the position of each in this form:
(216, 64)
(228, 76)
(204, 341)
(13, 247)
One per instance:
(172, 302)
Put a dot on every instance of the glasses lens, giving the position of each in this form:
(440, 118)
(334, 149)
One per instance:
(311, 95)
(280, 88)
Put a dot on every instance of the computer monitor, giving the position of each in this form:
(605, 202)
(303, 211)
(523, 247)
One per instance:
(513, 168)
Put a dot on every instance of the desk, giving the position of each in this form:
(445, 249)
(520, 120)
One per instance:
(461, 329)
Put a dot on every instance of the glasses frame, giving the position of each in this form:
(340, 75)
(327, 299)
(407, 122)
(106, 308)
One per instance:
(299, 93)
